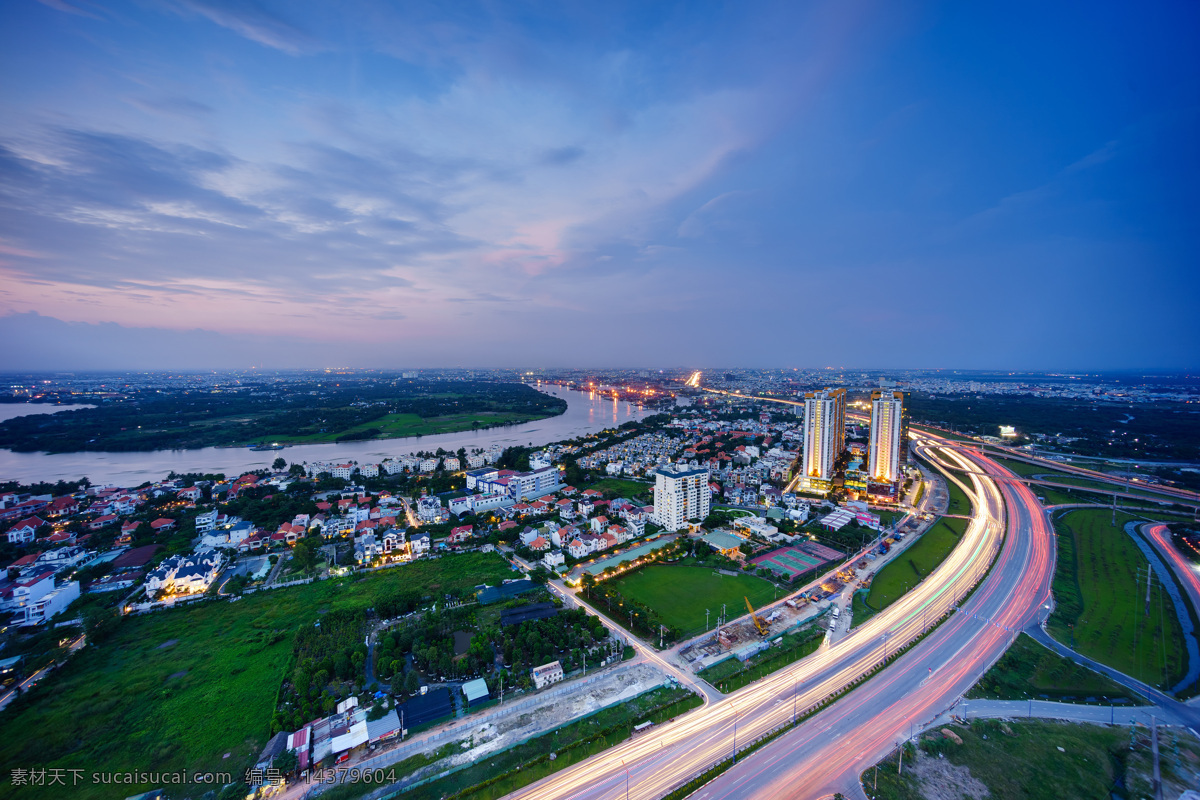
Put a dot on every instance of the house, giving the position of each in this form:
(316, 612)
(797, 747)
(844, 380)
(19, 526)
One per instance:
(41, 610)
(554, 560)
(539, 545)
(185, 574)
(101, 522)
(28, 589)
(547, 674)
(162, 524)
(128, 529)
(392, 541)
(461, 534)
(598, 524)
(418, 544)
(577, 549)
(62, 507)
(191, 493)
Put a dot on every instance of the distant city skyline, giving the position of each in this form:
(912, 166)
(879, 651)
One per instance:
(198, 184)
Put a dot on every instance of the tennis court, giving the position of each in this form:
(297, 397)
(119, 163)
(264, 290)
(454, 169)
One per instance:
(792, 561)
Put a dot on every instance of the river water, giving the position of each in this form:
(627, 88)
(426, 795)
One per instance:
(585, 413)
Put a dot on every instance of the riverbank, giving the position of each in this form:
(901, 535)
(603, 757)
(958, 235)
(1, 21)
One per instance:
(586, 413)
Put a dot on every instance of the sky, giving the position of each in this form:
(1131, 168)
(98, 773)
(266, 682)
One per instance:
(234, 183)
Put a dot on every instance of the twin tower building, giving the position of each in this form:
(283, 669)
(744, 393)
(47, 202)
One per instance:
(825, 441)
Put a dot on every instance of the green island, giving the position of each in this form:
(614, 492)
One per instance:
(1034, 759)
(1028, 670)
(285, 412)
(1100, 592)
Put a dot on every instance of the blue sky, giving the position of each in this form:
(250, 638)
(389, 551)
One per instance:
(598, 184)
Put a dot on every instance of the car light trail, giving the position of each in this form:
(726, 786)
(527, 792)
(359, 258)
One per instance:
(958, 651)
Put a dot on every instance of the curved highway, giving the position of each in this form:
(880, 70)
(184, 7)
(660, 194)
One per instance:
(869, 720)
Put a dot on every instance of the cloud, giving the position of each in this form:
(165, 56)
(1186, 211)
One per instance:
(64, 6)
(252, 21)
(700, 221)
(172, 106)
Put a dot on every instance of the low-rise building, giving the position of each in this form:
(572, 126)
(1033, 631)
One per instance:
(547, 674)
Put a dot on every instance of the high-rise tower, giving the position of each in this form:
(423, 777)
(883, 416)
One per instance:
(824, 436)
(887, 423)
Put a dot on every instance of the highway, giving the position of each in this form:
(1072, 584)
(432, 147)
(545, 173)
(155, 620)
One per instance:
(829, 749)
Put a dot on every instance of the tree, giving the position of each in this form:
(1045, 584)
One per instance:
(278, 464)
(412, 683)
(295, 470)
(286, 761)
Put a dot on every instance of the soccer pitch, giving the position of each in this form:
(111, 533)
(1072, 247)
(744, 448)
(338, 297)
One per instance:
(682, 593)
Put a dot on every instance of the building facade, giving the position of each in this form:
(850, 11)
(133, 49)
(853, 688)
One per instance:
(680, 493)
(887, 416)
(824, 437)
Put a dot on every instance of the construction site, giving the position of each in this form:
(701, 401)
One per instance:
(753, 632)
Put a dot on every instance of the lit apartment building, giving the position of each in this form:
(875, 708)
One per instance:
(887, 409)
(824, 436)
(680, 494)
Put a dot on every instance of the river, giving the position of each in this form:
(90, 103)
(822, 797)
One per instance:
(586, 413)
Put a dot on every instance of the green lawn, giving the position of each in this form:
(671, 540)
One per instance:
(179, 689)
(1029, 670)
(681, 593)
(624, 488)
(960, 505)
(920, 559)
(394, 426)
(1040, 760)
(1100, 600)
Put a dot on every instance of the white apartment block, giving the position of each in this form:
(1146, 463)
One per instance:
(429, 464)
(369, 470)
(342, 471)
(450, 463)
(680, 494)
(885, 446)
(475, 461)
(824, 436)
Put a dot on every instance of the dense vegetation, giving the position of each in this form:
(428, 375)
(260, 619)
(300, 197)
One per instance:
(1159, 430)
(179, 689)
(298, 411)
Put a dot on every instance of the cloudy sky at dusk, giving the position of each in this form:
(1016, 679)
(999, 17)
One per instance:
(203, 183)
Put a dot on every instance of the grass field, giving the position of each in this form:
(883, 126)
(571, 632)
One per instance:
(178, 689)
(959, 503)
(1039, 760)
(394, 426)
(623, 488)
(1100, 590)
(681, 593)
(920, 559)
(1029, 670)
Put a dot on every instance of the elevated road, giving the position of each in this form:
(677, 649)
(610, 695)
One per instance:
(919, 685)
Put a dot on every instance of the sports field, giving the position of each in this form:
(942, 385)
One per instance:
(792, 561)
(682, 593)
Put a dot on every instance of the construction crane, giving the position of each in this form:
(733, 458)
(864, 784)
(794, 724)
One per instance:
(759, 622)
